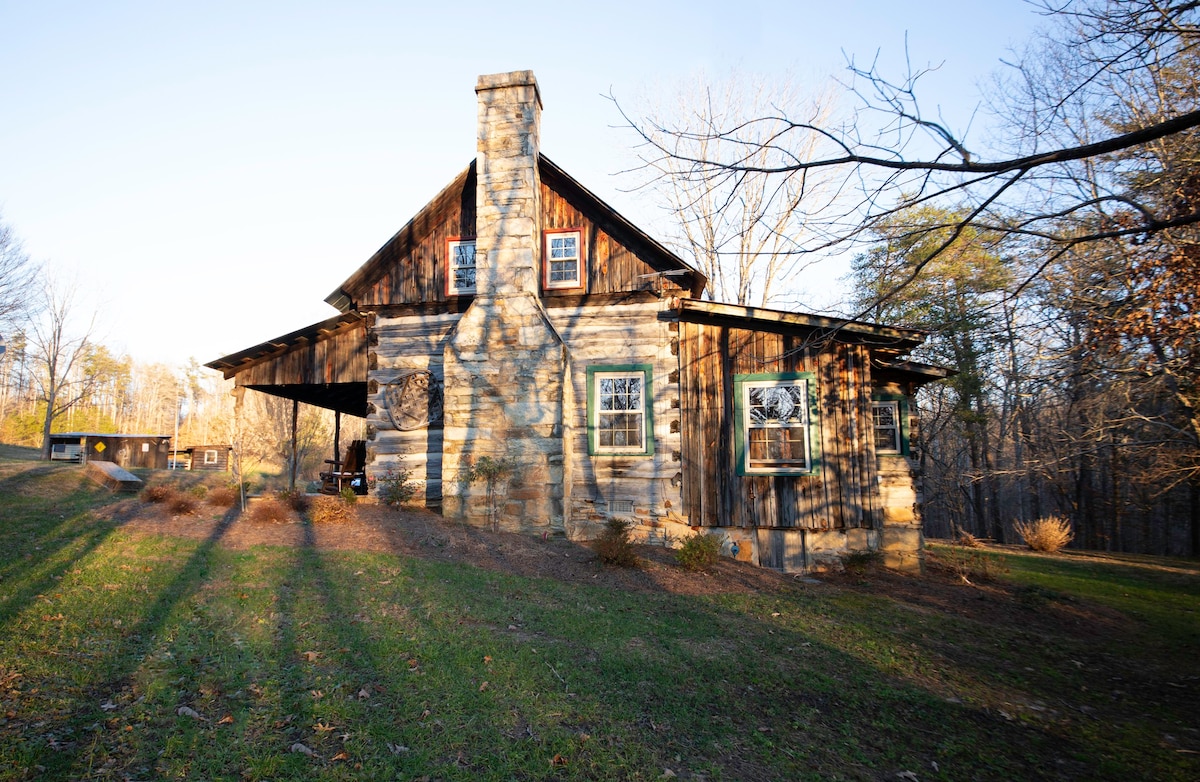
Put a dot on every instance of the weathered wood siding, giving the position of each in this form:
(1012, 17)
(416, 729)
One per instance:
(612, 266)
(197, 458)
(338, 357)
(618, 335)
(127, 450)
(842, 495)
(399, 345)
(411, 267)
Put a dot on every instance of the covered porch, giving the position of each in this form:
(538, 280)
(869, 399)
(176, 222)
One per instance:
(323, 365)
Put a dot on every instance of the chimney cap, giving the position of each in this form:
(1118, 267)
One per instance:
(499, 81)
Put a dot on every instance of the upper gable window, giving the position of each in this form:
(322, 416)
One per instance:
(563, 260)
(460, 274)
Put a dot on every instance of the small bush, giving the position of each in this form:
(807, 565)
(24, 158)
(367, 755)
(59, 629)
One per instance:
(198, 491)
(859, 562)
(294, 499)
(222, 497)
(348, 496)
(330, 510)
(395, 487)
(1049, 533)
(613, 547)
(699, 551)
(158, 494)
(182, 504)
(968, 540)
(269, 510)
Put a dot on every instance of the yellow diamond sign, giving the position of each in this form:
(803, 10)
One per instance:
(100, 447)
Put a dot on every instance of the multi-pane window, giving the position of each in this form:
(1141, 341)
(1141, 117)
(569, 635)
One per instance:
(210, 457)
(775, 418)
(887, 426)
(460, 276)
(619, 419)
(564, 259)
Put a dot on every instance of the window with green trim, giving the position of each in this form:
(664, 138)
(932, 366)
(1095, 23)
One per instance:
(620, 413)
(889, 414)
(777, 424)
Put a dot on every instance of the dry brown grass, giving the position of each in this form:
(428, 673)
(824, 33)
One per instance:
(330, 510)
(181, 504)
(222, 497)
(294, 499)
(269, 510)
(157, 494)
(1049, 533)
(967, 540)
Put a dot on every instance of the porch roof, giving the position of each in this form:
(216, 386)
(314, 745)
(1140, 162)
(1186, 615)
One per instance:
(324, 365)
(887, 339)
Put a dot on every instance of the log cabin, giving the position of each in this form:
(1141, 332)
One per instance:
(518, 320)
(125, 450)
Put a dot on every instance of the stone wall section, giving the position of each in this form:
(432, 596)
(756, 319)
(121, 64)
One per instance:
(624, 334)
(505, 366)
(902, 542)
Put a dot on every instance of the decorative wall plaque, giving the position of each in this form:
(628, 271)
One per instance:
(414, 400)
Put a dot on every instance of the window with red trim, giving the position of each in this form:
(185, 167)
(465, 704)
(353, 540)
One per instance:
(562, 260)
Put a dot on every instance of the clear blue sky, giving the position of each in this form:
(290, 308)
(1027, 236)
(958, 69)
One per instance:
(212, 171)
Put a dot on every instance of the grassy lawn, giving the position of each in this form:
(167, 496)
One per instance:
(134, 656)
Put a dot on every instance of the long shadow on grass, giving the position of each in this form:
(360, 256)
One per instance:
(334, 662)
(116, 674)
(37, 534)
(748, 697)
(650, 677)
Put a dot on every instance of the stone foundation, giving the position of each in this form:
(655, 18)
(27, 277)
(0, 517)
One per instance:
(902, 543)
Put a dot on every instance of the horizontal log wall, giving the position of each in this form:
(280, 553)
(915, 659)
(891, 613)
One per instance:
(842, 495)
(401, 345)
(619, 334)
(616, 335)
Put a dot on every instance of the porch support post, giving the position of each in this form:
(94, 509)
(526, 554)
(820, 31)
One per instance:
(295, 415)
(239, 393)
(337, 435)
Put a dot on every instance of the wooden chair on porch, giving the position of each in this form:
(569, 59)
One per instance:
(349, 472)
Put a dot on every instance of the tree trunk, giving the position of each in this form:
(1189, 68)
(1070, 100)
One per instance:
(47, 422)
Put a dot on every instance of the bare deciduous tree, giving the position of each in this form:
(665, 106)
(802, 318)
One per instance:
(59, 348)
(18, 278)
(891, 155)
(743, 231)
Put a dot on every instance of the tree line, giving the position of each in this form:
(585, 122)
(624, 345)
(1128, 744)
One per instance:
(56, 377)
(1056, 266)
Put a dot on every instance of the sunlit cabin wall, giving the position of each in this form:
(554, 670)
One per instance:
(400, 346)
(789, 522)
(644, 489)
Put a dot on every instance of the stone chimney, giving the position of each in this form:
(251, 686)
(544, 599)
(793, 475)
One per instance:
(508, 198)
(506, 367)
